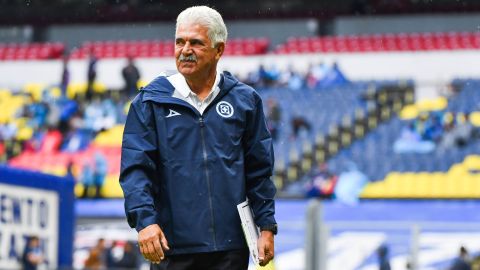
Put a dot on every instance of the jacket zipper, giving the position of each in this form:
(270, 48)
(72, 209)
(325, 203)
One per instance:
(205, 161)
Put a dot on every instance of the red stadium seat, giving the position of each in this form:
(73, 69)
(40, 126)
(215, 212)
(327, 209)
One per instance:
(51, 142)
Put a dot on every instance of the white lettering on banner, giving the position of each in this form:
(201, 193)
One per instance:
(25, 212)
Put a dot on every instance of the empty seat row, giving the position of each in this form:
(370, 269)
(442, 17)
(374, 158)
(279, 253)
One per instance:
(162, 48)
(251, 46)
(381, 42)
(31, 51)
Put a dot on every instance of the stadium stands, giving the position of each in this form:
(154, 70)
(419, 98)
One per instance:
(444, 173)
(324, 107)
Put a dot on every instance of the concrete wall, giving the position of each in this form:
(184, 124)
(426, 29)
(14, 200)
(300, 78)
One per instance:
(410, 23)
(276, 30)
(17, 34)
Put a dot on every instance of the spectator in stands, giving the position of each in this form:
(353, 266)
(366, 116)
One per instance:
(129, 259)
(67, 109)
(462, 262)
(317, 73)
(433, 129)
(70, 171)
(65, 76)
(267, 78)
(91, 74)
(350, 184)
(411, 142)
(100, 114)
(8, 131)
(322, 182)
(86, 178)
(32, 255)
(299, 123)
(332, 76)
(459, 132)
(464, 130)
(130, 75)
(274, 116)
(111, 256)
(291, 79)
(383, 262)
(97, 256)
(195, 145)
(99, 173)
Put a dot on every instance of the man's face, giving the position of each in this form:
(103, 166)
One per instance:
(194, 53)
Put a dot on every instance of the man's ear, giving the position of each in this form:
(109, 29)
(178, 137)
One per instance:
(220, 49)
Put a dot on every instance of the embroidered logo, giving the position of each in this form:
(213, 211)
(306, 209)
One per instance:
(172, 113)
(224, 109)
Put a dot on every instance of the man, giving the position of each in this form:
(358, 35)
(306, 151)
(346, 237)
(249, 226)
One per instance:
(91, 74)
(462, 262)
(195, 145)
(32, 254)
(130, 75)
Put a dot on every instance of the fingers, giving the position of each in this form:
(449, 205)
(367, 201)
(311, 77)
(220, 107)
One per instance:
(158, 250)
(144, 251)
(164, 242)
(265, 248)
(149, 243)
(156, 258)
(261, 251)
(266, 258)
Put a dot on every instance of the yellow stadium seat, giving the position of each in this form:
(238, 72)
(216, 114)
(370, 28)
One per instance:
(457, 183)
(126, 107)
(99, 87)
(111, 137)
(55, 92)
(24, 133)
(373, 190)
(409, 112)
(141, 83)
(475, 119)
(76, 88)
(5, 94)
(20, 122)
(78, 190)
(111, 188)
(436, 104)
(472, 162)
(457, 169)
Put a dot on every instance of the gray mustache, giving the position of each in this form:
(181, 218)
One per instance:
(191, 58)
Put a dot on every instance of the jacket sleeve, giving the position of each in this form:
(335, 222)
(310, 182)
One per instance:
(259, 162)
(138, 165)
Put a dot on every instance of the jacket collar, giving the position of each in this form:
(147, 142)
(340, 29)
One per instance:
(161, 90)
(181, 85)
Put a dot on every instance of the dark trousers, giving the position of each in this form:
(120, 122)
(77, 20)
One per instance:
(222, 260)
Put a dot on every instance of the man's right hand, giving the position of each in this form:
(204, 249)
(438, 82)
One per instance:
(152, 243)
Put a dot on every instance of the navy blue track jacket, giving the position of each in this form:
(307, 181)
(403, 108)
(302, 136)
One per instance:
(187, 172)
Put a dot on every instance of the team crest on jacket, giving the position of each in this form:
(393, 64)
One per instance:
(224, 109)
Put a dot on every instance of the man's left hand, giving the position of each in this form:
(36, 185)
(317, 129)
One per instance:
(265, 247)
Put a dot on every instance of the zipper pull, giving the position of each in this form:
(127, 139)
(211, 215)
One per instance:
(201, 121)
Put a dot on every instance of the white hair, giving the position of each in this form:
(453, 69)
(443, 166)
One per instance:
(208, 17)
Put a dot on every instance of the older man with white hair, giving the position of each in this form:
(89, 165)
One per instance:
(195, 145)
